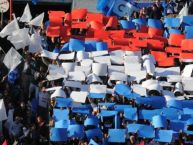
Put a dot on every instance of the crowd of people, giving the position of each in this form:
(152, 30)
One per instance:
(20, 88)
(161, 9)
(41, 108)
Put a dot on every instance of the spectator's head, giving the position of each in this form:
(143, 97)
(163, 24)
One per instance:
(157, 2)
(154, 7)
(135, 15)
(141, 12)
(39, 119)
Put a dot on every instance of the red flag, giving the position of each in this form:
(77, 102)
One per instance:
(142, 143)
(5, 142)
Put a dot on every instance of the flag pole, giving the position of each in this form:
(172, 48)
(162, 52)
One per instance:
(10, 9)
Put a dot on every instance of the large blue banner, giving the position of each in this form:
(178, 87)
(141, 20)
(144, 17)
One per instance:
(122, 7)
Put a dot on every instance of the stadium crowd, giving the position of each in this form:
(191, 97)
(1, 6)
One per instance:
(37, 98)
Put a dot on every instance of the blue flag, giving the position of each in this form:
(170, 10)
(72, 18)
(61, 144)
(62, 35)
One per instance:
(35, 2)
(116, 7)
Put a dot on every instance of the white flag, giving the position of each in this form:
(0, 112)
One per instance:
(26, 17)
(35, 43)
(12, 59)
(37, 21)
(183, 12)
(3, 114)
(93, 78)
(48, 54)
(20, 38)
(9, 28)
(187, 71)
(95, 88)
(55, 69)
(79, 96)
(100, 69)
(76, 76)
(59, 93)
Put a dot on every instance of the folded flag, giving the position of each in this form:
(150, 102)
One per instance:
(92, 133)
(130, 114)
(154, 101)
(177, 125)
(76, 45)
(164, 136)
(116, 135)
(123, 90)
(58, 134)
(62, 124)
(76, 131)
(26, 16)
(143, 131)
(91, 120)
(159, 121)
(37, 21)
(61, 114)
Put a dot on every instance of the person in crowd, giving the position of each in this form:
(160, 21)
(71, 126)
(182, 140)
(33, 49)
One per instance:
(169, 7)
(143, 13)
(135, 15)
(156, 12)
(16, 129)
(160, 8)
(42, 129)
